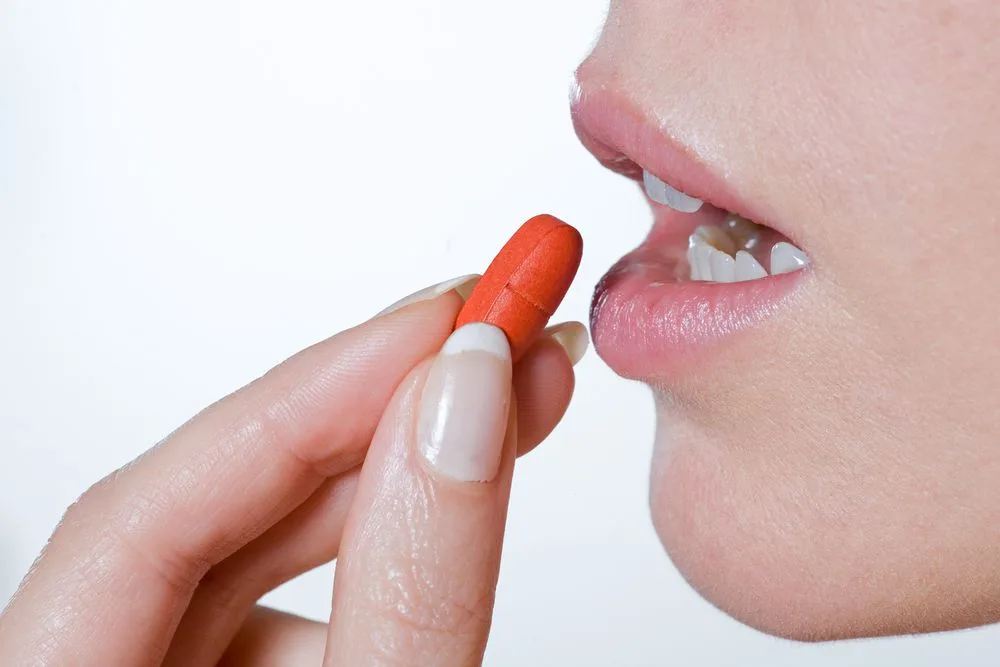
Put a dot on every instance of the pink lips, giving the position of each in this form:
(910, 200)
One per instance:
(647, 319)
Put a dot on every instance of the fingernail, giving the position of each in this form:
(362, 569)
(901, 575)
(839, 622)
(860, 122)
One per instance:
(463, 285)
(463, 410)
(573, 338)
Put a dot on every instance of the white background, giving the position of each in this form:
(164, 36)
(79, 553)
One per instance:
(192, 191)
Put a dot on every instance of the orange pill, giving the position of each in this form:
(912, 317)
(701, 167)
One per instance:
(526, 281)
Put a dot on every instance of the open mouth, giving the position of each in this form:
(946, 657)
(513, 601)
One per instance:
(706, 270)
(726, 247)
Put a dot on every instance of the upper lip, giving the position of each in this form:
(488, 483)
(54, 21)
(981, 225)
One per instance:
(645, 323)
(626, 139)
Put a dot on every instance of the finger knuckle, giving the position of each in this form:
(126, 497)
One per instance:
(135, 531)
(308, 443)
(86, 509)
(124, 529)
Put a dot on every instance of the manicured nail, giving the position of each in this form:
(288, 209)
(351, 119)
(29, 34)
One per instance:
(573, 338)
(464, 407)
(463, 285)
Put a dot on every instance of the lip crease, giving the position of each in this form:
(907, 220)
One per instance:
(647, 319)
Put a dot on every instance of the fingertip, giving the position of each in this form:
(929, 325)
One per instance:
(464, 289)
(465, 403)
(462, 286)
(543, 384)
(572, 337)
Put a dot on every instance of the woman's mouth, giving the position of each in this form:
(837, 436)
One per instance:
(724, 247)
(705, 271)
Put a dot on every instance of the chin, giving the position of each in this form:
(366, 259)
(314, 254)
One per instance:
(784, 548)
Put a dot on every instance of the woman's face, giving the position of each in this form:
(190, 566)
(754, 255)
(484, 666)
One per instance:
(828, 454)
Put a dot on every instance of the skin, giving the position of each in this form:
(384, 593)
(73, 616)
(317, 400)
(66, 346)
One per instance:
(162, 562)
(834, 472)
(831, 473)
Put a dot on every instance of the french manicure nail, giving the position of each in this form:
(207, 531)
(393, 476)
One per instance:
(463, 285)
(573, 338)
(465, 403)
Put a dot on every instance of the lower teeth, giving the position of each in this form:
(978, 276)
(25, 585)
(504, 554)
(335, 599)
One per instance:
(725, 254)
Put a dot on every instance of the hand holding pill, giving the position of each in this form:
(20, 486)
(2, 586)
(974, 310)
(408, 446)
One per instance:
(389, 447)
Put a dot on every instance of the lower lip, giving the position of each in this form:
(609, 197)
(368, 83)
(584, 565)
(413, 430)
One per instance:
(647, 321)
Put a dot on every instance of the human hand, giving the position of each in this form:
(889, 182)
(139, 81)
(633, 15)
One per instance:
(370, 447)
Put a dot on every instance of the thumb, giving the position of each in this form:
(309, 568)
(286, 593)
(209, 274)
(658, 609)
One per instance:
(421, 552)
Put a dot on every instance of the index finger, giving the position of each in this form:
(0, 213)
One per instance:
(120, 569)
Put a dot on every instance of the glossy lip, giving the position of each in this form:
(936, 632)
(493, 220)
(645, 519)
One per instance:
(647, 321)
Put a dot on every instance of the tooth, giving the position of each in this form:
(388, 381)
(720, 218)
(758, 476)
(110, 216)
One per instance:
(723, 267)
(717, 238)
(664, 194)
(748, 268)
(703, 254)
(786, 258)
(692, 258)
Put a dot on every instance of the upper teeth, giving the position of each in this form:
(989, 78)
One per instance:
(664, 194)
(710, 255)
